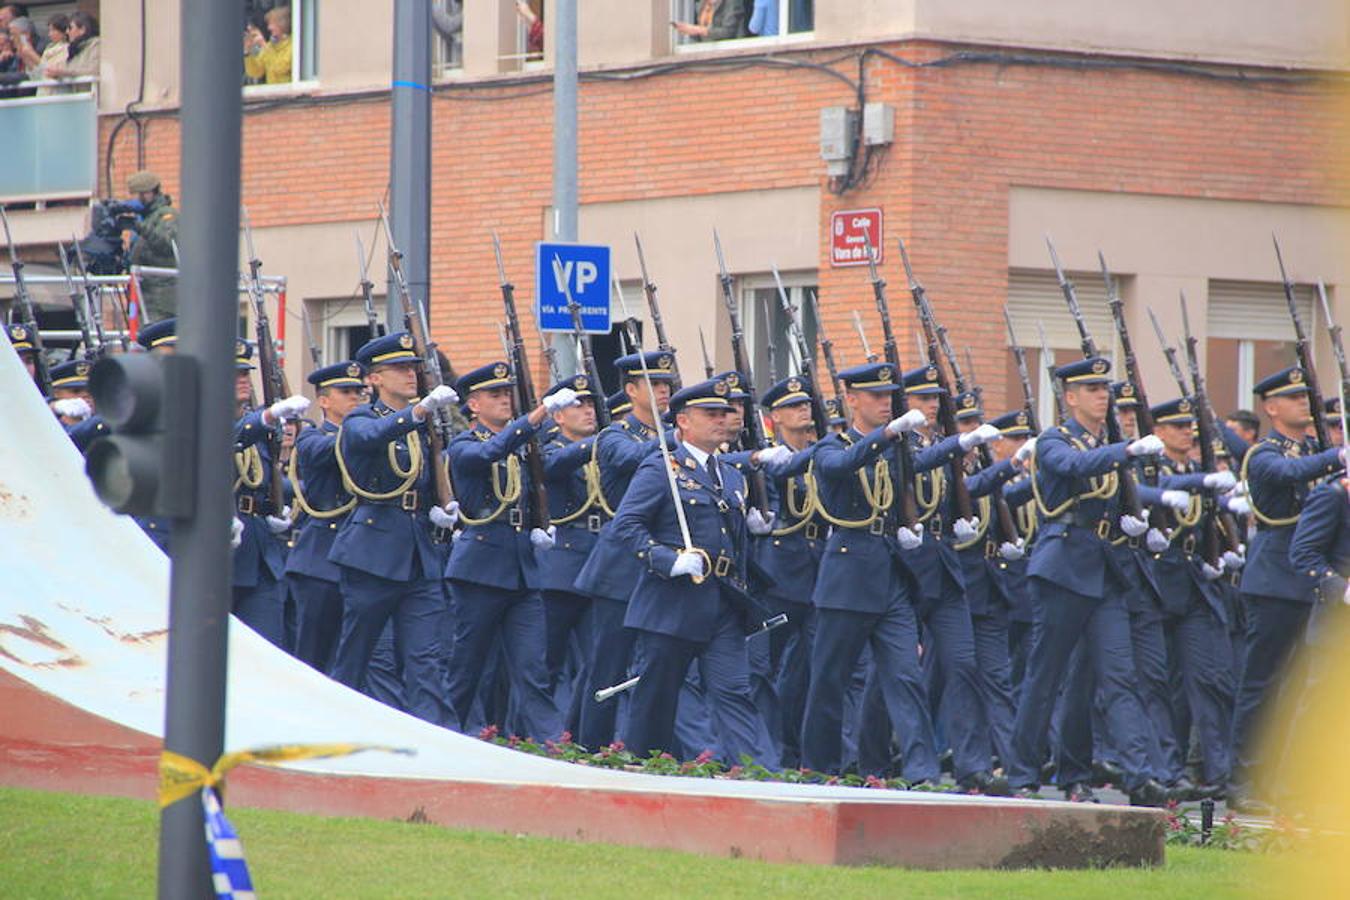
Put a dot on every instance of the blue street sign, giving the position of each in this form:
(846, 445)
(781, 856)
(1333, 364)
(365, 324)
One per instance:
(584, 268)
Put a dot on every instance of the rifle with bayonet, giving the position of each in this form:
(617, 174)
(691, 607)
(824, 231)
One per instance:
(861, 331)
(536, 511)
(1207, 425)
(708, 369)
(91, 290)
(1303, 347)
(654, 311)
(550, 356)
(1129, 491)
(806, 360)
(367, 288)
(956, 472)
(1143, 413)
(44, 375)
(752, 432)
(429, 375)
(270, 372)
(1020, 358)
(1337, 347)
(966, 381)
(827, 352)
(1048, 361)
(79, 304)
(315, 356)
(584, 344)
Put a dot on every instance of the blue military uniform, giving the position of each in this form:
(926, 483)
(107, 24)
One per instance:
(389, 566)
(494, 577)
(312, 578)
(611, 571)
(1279, 471)
(1077, 591)
(1010, 575)
(258, 564)
(680, 620)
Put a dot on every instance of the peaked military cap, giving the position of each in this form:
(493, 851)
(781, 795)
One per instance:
(580, 383)
(387, 350)
(1123, 391)
(1332, 407)
(1174, 412)
(834, 411)
(1013, 424)
(493, 375)
(1285, 381)
(71, 375)
(922, 381)
(21, 337)
(714, 393)
(874, 377)
(1093, 370)
(660, 365)
(619, 404)
(243, 355)
(787, 392)
(346, 374)
(968, 405)
(144, 180)
(735, 382)
(158, 334)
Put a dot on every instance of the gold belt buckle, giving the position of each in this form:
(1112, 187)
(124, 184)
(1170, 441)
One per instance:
(409, 501)
(1104, 529)
(1188, 545)
(514, 517)
(935, 526)
(593, 523)
(812, 531)
(878, 527)
(722, 566)
(246, 505)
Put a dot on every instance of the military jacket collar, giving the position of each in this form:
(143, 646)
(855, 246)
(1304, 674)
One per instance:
(1076, 430)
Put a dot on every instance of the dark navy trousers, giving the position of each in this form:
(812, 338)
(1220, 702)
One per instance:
(611, 653)
(262, 608)
(318, 619)
(1274, 629)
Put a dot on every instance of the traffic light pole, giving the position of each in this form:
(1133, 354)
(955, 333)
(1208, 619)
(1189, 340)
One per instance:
(208, 309)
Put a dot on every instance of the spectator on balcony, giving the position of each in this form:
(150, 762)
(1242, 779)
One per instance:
(532, 14)
(9, 12)
(82, 53)
(718, 20)
(53, 54)
(270, 60)
(23, 37)
(764, 18)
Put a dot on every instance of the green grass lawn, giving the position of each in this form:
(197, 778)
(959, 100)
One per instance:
(64, 845)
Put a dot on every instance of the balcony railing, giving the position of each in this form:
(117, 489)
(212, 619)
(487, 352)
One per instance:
(50, 145)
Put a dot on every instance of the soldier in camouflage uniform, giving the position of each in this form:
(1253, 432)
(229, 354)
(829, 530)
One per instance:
(156, 232)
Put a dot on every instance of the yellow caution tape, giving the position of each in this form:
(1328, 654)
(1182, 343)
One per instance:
(181, 776)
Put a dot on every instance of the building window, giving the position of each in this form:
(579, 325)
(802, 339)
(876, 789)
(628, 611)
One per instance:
(773, 352)
(1248, 335)
(280, 41)
(718, 21)
(529, 32)
(448, 48)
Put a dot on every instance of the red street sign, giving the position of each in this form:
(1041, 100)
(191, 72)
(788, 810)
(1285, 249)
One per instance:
(850, 229)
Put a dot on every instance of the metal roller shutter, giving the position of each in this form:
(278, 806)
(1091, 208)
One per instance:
(1034, 297)
(1257, 311)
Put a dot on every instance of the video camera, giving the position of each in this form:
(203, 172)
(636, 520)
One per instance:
(102, 246)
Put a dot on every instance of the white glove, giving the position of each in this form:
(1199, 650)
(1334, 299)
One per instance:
(1012, 552)
(773, 456)
(543, 538)
(909, 538)
(73, 408)
(445, 517)
(561, 399)
(1148, 445)
(1024, 452)
(965, 529)
(280, 524)
(1220, 481)
(439, 397)
(290, 408)
(981, 435)
(687, 563)
(236, 533)
(1233, 561)
(1178, 500)
(908, 422)
(756, 522)
(1239, 506)
(1156, 541)
(1210, 573)
(1131, 526)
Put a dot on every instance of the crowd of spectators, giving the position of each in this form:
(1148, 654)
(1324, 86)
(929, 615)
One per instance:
(725, 20)
(68, 49)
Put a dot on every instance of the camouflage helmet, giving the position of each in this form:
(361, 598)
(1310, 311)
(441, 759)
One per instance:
(143, 181)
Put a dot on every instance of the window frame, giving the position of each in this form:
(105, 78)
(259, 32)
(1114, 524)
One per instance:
(303, 15)
(799, 284)
(682, 44)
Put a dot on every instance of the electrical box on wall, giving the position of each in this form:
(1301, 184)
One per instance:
(878, 124)
(838, 130)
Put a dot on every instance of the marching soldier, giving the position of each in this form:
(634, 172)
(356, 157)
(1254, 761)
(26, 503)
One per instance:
(611, 571)
(691, 602)
(389, 566)
(312, 578)
(493, 574)
(1076, 584)
(1280, 470)
(258, 562)
(21, 339)
(1010, 569)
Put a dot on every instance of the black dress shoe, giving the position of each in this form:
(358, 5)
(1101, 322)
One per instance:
(1206, 791)
(1183, 790)
(1048, 772)
(947, 762)
(1080, 792)
(1150, 793)
(1105, 772)
(983, 782)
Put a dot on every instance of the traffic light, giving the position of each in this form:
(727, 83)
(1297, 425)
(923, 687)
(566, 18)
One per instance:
(147, 466)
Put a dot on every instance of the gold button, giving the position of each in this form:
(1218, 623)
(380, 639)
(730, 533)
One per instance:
(400, 420)
(843, 549)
